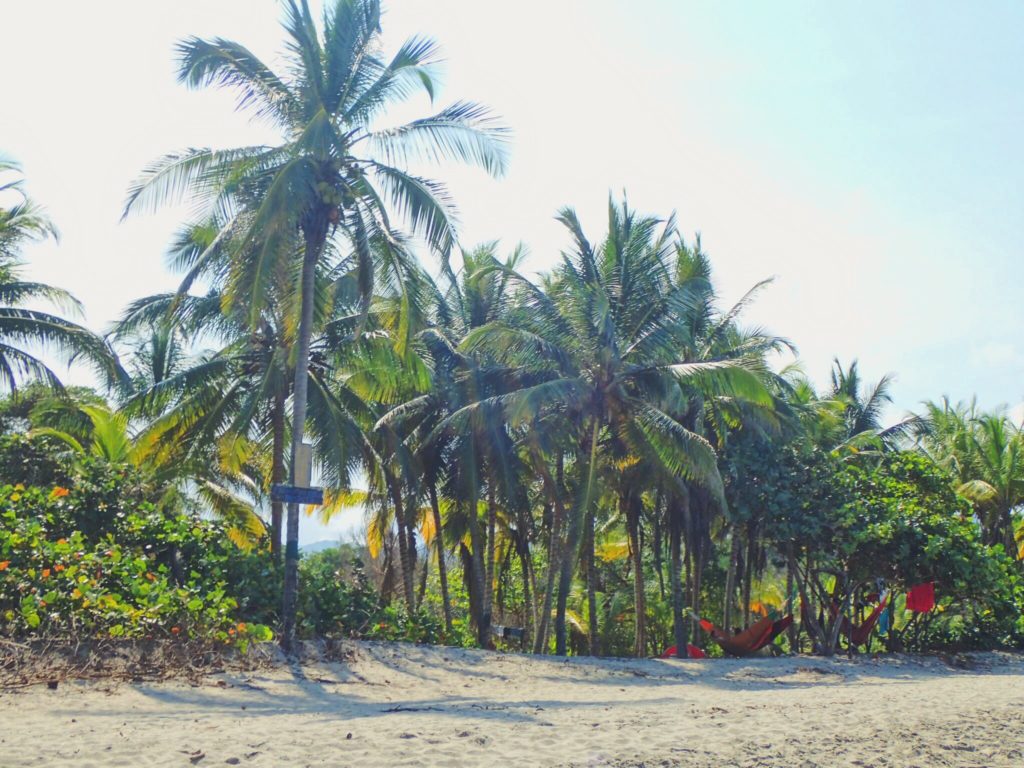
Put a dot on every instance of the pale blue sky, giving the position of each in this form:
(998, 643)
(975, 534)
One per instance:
(870, 157)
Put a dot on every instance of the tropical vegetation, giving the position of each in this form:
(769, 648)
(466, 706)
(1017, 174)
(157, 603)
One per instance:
(587, 461)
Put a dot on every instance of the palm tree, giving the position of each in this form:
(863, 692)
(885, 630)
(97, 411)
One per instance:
(863, 407)
(601, 346)
(333, 171)
(985, 452)
(467, 462)
(241, 389)
(23, 329)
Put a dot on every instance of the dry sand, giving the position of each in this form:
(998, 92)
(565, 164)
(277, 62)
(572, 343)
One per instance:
(417, 706)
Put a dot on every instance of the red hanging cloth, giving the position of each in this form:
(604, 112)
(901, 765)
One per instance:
(692, 652)
(921, 598)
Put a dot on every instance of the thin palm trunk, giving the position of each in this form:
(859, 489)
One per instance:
(277, 473)
(639, 592)
(657, 547)
(442, 567)
(593, 634)
(540, 643)
(406, 549)
(423, 581)
(748, 576)
(492, 530)
(675, 566)
(482, 615)
(572, 544)
(529, 608)
(315, 238)
(790, 568)
(730, 579)
(474, 585)
(695, 598)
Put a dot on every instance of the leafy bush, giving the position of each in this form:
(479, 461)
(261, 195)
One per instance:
(77, 564)
(335, 597)
(32, 461)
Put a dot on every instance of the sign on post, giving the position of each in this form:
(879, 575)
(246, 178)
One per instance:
(290, 494)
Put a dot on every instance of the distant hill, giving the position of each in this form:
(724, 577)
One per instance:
(318, 546)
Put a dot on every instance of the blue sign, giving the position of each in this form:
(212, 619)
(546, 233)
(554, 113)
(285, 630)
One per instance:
(289, 494)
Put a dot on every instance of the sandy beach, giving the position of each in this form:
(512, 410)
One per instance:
(418, 706)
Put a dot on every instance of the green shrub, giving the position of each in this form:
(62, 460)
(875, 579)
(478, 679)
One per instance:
(138, 574)
(334, 595)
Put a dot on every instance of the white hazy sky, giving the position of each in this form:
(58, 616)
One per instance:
(869, 156)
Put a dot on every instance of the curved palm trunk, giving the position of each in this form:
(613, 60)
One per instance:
(442, 567)
(529, 608)
(406, 544)
(540, 642)
(316, 237)
(571, 545)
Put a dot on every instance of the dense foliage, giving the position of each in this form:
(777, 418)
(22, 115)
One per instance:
(584, 462)
(96, 559)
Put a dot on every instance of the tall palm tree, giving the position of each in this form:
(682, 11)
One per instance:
(333, 171)
(602, 347)
(475, 462)
(241, 389)
(23, 331)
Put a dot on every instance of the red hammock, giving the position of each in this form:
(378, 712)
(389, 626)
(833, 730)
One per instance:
(857, 634)
(752, 639)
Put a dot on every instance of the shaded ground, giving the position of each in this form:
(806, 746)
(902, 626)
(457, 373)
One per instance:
(419, 706)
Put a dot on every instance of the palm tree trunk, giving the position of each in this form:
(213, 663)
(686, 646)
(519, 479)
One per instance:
(423, 579)
(529, 608)
(688, 585)
(790, 568)
(442, 567)
(675, 566)
(540, 641)
(315, 238)
(748, 577)
(406, 553)
(277, 473)
(474, 587)
(482, 615)
(492, 527)
(639, 592)
(657, 547)
(593, 634)
(572, 543)
(730, 580)
(697, 564)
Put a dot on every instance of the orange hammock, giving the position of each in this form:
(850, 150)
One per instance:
(752, 639)
(859, 635)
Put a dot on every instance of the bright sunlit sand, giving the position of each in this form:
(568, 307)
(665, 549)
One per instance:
(418, 706)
